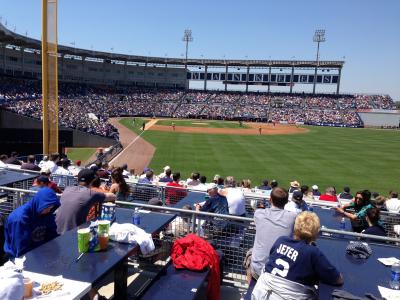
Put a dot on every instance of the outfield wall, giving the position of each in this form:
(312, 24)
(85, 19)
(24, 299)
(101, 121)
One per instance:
(24, 135)
(379, 119)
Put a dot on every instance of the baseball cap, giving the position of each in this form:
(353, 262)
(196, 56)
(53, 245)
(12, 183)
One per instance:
(86, 175)
(211, 186)
(297, 195)
(167, 168)
(315, 187)
(78, 162)
(216, 177)
(43, 179)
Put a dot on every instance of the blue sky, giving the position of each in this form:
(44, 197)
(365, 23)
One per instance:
(365, 32)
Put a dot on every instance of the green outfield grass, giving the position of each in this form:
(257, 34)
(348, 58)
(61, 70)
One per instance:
(82, 154)
(202, 123)
(360, 158)
(135, 127)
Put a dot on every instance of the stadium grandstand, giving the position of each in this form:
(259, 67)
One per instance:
(194, 238)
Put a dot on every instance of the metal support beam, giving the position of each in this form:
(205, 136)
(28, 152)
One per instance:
(226, 77)
(22, 60)
(205, 78)
(291, 80)
(269, 79)
(83, 67)
(247, 78)
(338, 82)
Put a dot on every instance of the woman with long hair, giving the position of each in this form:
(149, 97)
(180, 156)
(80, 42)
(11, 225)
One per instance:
(119, 187)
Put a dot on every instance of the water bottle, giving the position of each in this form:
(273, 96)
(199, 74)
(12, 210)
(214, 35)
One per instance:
(395, 276)
(136, 217)
(342, 224)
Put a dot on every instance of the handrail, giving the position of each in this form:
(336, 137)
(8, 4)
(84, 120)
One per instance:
(221, 216)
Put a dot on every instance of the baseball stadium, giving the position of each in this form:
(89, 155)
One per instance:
(129, 176)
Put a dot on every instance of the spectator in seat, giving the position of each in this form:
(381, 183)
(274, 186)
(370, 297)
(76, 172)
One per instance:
(379, 203)
(296, 264)
(43, 162)
(216, 203)
(307, 194)
(294, 186)
(193, 180)
(373, 218)
(77, 201)
(13, 160)
(167, 176)
(265, 185)
(148, 178)
(346, 194)
(270, 223)
(119, 187)
(51, 164)
(274, 184)
(30, 164)
(330, 195)
(360, 205)
(246, 185)
(393, 203)
(52, 184)
(235, 197)
(202, 185)
(3, 159)
(62, 167)
(315, 191)
(296, 204)
(176, 191)
(31, 224)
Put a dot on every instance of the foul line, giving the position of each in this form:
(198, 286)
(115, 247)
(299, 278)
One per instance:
(149, 124)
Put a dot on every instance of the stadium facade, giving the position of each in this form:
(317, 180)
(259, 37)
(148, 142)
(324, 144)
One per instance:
(21, 56)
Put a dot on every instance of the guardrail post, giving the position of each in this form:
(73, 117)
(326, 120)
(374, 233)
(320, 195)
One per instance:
(193, 223)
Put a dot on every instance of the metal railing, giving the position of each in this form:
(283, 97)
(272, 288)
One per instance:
(233, 235)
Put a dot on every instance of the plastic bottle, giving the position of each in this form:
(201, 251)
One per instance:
(136, 217)
(342, 224)
(395, 276)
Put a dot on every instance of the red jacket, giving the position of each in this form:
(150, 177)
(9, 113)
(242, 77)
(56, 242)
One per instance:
(193, 253)
(326, 197)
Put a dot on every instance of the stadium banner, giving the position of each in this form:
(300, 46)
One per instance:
(49, 76)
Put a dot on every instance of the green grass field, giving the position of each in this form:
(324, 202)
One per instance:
(82, 154)
(360, 158)
(201, 123)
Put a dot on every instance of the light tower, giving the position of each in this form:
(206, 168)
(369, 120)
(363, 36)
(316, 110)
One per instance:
(319, 37)
(187, 37)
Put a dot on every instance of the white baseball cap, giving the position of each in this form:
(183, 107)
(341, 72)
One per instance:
(315, 187)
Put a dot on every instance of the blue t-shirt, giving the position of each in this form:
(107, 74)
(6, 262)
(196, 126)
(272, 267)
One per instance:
(300, 262)
(216, 204)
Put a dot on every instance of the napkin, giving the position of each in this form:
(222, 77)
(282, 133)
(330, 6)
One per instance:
(129, 233)
(389, 294)
(388, 261)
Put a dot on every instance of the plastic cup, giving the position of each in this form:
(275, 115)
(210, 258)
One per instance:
(108, 211)
(83, 239)
(28, 286)
(103, 241)
(103, 226)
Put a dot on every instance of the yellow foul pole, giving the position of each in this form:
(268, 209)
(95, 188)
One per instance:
(49, 76)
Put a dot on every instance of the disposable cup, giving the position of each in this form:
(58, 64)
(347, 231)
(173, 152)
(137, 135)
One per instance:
(103, 241)
(108, 211)
(83, 239)
(103, 226)
(28, 286)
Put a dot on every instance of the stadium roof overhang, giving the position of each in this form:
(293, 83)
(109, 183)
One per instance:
(9, 37)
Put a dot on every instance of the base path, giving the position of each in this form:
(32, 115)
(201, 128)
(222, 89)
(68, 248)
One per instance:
(266, 128)
(137, 152)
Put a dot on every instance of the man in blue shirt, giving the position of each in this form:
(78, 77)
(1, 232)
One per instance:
(216, 203)
(31, 224)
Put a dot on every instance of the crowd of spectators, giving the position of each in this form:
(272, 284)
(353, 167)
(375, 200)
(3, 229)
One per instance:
(88, 108)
